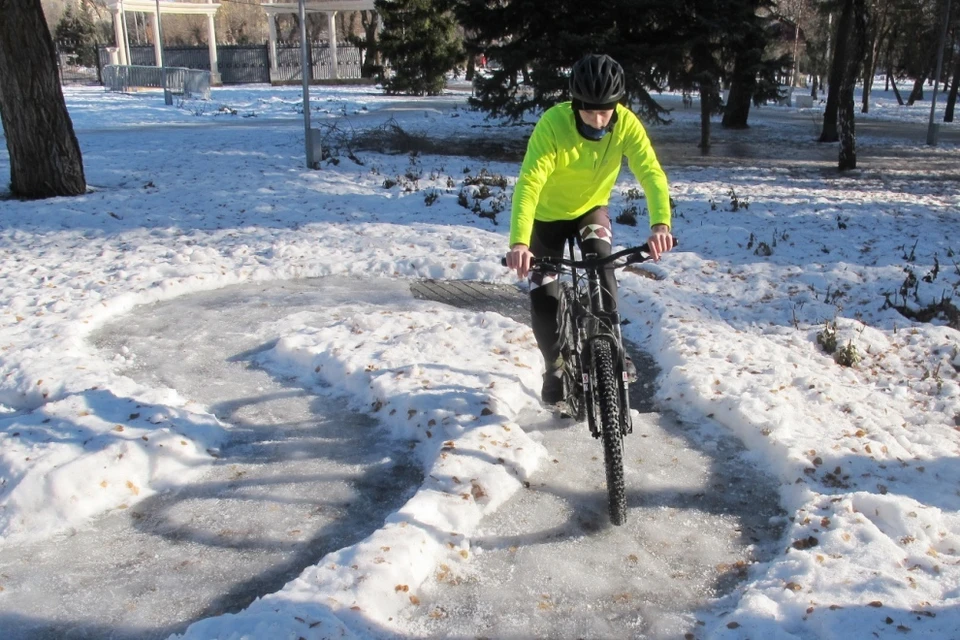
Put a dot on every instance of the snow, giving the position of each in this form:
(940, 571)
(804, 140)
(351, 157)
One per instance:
(203, 195)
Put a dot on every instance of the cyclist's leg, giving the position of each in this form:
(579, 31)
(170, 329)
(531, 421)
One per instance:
(548, 239)
(596, 236)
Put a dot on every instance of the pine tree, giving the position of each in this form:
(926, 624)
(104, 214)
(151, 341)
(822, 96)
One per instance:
(421, 43)
(686, 43)
(532, 46)
(754, 75)
(76, 34)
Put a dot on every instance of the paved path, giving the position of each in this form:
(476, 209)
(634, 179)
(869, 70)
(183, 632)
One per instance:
(304, 476)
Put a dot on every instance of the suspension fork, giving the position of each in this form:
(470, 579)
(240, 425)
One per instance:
(609, 322)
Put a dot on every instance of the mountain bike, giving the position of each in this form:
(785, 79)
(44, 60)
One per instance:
(594, 373)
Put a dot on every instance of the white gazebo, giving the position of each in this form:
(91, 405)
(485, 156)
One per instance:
(120, 7)
(329, 7)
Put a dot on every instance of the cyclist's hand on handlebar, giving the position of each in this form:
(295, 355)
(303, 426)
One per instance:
(660, 240)
(518, 259)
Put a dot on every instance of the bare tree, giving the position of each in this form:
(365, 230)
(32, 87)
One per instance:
(952, 95)
(45, 157)
(369, 25)
(879, 29)
(855, 50)
(842, 53)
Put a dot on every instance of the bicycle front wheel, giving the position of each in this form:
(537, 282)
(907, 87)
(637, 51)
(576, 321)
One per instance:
(607, 395)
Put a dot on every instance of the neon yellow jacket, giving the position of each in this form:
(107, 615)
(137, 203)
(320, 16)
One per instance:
(564, 175)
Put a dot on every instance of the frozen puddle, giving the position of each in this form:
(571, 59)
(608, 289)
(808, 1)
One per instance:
(304, 475)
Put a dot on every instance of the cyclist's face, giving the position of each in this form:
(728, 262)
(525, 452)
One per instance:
(596, 119)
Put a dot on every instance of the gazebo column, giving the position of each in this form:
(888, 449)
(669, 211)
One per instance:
(332, 39)
(157, 50)
(118, 33)
(212, 44)
(272, 47)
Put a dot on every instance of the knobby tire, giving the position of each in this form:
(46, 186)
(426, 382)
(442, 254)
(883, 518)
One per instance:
(607, 394)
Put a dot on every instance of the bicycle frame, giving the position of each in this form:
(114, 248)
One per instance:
(593, 322)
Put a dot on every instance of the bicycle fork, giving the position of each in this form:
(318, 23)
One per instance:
(603, 325)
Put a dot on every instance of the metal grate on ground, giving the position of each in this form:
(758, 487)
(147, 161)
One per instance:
(475, 296)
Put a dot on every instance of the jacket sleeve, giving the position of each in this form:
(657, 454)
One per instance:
(538, 163)
(644, 164)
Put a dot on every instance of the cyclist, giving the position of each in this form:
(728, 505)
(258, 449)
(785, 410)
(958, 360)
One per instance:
(571, 165)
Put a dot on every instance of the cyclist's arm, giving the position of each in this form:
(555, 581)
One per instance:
(644, 164)
(646, 168)
(538, 163)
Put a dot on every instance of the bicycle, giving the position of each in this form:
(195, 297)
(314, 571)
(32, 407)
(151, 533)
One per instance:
(594, 373)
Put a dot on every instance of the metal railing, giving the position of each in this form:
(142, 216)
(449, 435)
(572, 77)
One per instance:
(190, 83)
(244, 64)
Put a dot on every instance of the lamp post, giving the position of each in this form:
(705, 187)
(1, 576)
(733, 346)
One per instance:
(934, 129)
(311, 151)
(167, 98)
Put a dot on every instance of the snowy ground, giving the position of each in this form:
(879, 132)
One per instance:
(772, 257)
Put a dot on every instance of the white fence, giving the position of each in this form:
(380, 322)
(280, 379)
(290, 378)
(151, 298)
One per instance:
(190, 83)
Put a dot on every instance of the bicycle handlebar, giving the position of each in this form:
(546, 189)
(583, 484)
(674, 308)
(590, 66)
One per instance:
(634, 255)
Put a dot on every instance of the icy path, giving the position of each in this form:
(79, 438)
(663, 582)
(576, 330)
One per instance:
(548, 565)
(304, 476)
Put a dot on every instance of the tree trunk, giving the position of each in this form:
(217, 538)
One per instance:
(867, 86)
(893, 83)
(847, 132)
(869, 69)
(952, 96)
(878, 35)
(917, 93)
(743, 84)
(856, 46)
(371, 58)
(737, 109)
(837, 68)
(706, 108)
(471, 68)
(45, 158)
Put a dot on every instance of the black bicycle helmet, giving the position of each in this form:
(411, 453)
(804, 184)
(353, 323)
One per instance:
(596, 82)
